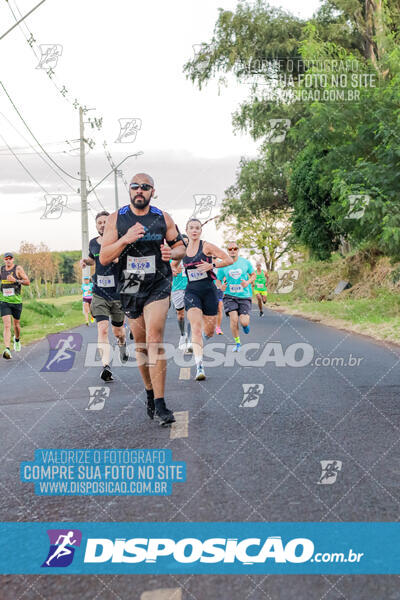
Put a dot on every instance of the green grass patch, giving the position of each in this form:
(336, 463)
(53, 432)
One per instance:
(378, 316)
(44, 309)
(385, 306)
(41, 317)
(61, 300)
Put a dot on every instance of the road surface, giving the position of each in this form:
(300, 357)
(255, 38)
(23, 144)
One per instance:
(248, 459)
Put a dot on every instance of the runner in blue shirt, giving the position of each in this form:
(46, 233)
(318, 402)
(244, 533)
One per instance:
(179, 283)
(236, 282)
(87, 296)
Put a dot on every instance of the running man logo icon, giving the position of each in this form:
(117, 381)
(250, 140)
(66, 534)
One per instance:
(55, 204)
(251, 394)
(50, 54)
(131, 283)
(97, 397)
(203, 205)
(330, 470)
(286, 281)
(62, 351)
(128, 129)
(278, 129)
(62, 547)
(357, 205)
(202, 60)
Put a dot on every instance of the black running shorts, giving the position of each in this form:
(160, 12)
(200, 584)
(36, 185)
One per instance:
(205, 299)
(133, 304)
(8, 308)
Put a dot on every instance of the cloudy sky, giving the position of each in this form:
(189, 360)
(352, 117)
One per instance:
(124, 59)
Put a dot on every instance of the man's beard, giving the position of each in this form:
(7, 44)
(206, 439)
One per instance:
(142, 204)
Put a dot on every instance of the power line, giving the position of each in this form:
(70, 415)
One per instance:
(35, 138)
(23, 166)
(23, 18)
(38, 153)
(31, 41)
(29, 173)
(97, 198)
(21, 150)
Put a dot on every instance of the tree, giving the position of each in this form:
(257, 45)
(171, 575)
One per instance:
(347, 147)
(266, 233)
(350, 149)
(261, 184)
(67, 261)
(311, 198)
(38, 263)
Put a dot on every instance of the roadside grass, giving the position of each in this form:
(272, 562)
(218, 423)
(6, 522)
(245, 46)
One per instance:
(62, 299)
(51, 315)
(378, 316)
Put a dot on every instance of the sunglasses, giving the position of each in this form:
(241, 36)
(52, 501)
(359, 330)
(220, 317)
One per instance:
(143, 186)
(233, 248)
(8, 258)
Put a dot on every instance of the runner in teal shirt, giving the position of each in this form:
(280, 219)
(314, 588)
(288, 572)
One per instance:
(237, 287)
(240, 270)
(179, 283)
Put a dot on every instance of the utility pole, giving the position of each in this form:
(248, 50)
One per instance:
(84, 210)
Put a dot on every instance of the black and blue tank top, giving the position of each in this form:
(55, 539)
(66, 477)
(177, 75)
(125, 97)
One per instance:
(196, 278)
(105, 278)
(142, 259)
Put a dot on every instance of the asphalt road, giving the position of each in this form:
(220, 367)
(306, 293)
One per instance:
(244, 463)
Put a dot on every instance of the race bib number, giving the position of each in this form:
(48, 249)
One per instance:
(9, 292)
(195, 275)
(259, 286)
(235, 288)
(105, 281)
(131, 283)
(141, 264)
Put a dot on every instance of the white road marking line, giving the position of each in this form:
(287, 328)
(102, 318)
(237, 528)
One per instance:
(184, 373)
(180, 428)
(163, 594)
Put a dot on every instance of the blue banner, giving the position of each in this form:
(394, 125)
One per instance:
(208, 548)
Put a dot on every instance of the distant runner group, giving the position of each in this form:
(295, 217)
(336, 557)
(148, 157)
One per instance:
(141, 261)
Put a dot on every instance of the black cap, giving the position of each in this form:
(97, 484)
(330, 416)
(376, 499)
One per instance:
(8, 254)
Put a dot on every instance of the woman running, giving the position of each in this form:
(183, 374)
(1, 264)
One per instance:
(201, 299)
(179, 283)
(87, 296)
(260, 287)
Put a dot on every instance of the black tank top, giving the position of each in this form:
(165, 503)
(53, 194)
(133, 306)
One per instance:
(144, 256)
(191, 262)
(5, 284)
(105, 278)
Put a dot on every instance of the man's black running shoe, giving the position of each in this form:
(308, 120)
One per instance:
(162, 414)
(106, 374)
